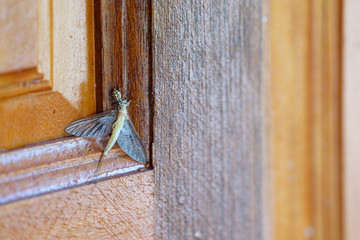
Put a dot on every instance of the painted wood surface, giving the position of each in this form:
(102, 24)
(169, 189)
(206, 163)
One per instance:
(18, 43)
(302, 156)
(207, 125)
(37, 103)
(351, 119)
(58, 165)
(120, 208)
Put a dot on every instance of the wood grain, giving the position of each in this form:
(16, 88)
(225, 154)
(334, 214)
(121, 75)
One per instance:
(58, 165)
(123, 58)
(325, 107)
(29, 176)
(303, 120)
(116, 209)
(351, 119)
(207, 125)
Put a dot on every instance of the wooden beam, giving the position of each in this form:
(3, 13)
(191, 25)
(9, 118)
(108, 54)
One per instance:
(207, 125)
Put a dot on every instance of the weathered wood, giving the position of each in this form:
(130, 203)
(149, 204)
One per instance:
(116, 209)
(29, 176)
(31, 118)
(351, 119)
(123, 49)
(58, 165)
(207, 125)
(66, 63)
(302, 112)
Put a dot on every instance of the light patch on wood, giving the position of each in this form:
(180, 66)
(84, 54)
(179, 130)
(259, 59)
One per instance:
(351, 119)
(18, 28)
(73, 53)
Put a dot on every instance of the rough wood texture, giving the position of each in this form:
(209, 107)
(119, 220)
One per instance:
(303, 144)
(351, 119)
(207, 125)
(123, 46)
(58, 165)
(116, 209)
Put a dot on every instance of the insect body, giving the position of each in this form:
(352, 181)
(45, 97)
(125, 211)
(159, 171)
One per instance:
(116, 122)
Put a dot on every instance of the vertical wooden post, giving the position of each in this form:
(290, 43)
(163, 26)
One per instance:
(208, 121)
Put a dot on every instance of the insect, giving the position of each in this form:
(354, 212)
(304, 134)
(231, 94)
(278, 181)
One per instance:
(115, 122)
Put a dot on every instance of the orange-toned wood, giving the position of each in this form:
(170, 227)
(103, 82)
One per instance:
(73, 53)
(29, 176)
(325, 120)
(34, 117)
(18, 43)
(65, 60)
(351, 119)
(116, 209)
(20, 82)
(302, 109)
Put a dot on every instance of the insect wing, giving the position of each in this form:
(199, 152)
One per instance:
(130, 142)
(97, 125)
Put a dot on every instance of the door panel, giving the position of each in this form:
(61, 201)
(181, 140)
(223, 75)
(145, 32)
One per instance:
(38, 163)
(61, 74)
(18, 43)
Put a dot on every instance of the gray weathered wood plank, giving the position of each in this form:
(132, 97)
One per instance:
(208, 121)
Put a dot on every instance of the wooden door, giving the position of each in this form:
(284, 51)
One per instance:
(229, 100)
(51, 74)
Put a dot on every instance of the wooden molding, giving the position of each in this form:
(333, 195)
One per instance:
(36, 104)
(25, 48)
(22, 82)
(63, 163)
(58, 165)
